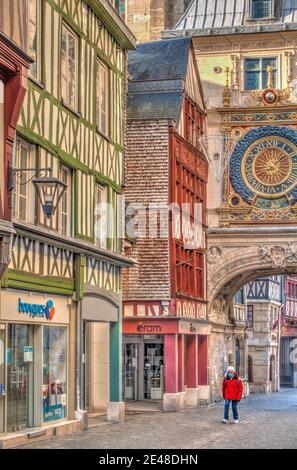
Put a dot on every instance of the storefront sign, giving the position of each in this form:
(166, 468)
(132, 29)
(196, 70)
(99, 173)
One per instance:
(26, 307)
(38, 310)
(163, 327)
(149, 329)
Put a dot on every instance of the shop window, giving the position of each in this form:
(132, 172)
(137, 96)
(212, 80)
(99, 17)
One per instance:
(54, 388)
(102, 98)
(23, 198)
(256, 73)
(250, 369)
(34, 40)
(100, 224)
(69, 67)
(250, 316)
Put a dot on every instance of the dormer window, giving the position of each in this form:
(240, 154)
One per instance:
(261, 9)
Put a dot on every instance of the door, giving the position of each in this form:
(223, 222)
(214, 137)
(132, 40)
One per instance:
(153, 371)
(130, 372)
(286, 366)
(19, 377)
(2, 379)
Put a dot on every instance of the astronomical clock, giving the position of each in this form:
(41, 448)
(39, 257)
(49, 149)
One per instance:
(261, 182)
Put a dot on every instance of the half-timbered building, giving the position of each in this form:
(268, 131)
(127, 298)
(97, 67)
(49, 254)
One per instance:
(288, 365)
(164, 325)
(61, 294)
(14, 64)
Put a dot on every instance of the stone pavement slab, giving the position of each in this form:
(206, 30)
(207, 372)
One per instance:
(266, 421)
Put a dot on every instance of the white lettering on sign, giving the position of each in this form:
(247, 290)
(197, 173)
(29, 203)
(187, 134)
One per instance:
(191, 310)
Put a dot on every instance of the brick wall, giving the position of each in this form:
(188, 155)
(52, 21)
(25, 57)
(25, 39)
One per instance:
(147, 182)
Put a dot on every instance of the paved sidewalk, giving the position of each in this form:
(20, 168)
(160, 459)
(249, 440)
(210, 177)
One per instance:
(266, 421)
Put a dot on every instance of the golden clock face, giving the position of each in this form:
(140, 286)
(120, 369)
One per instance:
(269, 167)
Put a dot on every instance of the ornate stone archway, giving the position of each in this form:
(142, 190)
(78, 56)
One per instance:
(237, 256)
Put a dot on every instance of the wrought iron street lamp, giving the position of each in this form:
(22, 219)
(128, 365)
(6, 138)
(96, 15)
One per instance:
(49, 190)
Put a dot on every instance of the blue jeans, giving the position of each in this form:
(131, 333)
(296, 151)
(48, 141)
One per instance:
(234, 409)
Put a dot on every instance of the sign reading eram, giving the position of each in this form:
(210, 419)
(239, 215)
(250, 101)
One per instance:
(38, 310)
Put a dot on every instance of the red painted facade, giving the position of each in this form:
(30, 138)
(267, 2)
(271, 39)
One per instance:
(174, 307)
(14, 66)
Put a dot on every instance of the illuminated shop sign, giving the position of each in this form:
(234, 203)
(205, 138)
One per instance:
(46, 311)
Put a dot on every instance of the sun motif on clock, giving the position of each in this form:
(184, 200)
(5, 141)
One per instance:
(272, 167)
(269, 167)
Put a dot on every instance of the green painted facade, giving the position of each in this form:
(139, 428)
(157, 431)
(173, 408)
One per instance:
(44, 261)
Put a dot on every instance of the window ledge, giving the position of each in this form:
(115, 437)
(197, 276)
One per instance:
(36, 82)
(72, 110)
(107, 137)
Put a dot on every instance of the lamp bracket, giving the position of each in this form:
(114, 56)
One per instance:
(12, 172)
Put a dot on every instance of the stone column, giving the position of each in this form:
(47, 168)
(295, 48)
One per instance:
(171, 395)
(181, 371)
(203, 386)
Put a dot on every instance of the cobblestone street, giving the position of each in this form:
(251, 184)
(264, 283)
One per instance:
(266, 421)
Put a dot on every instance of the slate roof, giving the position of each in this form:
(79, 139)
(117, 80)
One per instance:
(203, 15)
(158, 72)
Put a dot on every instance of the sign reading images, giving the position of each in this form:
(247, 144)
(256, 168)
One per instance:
(46, 311)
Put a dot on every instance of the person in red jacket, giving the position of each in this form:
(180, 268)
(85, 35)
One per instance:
(232, 393)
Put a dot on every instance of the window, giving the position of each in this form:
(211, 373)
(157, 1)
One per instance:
(102, 99)
(250, 316)
(193, 123)
(250, 369)
(23, 207)
(65, 204)
(256, 73)
(34, 36)
(261, 9)
(69, 68)
(100, 216)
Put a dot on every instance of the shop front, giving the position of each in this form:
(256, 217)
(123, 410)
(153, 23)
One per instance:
(33, 360)
(165, 359)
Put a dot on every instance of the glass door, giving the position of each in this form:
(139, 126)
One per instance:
(130, 372)
(19, 377)
(153, 371)
(2, 379)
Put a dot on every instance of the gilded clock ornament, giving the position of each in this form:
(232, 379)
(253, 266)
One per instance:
(263, 167)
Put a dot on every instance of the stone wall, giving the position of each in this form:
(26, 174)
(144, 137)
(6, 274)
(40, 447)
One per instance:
(148, 18)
